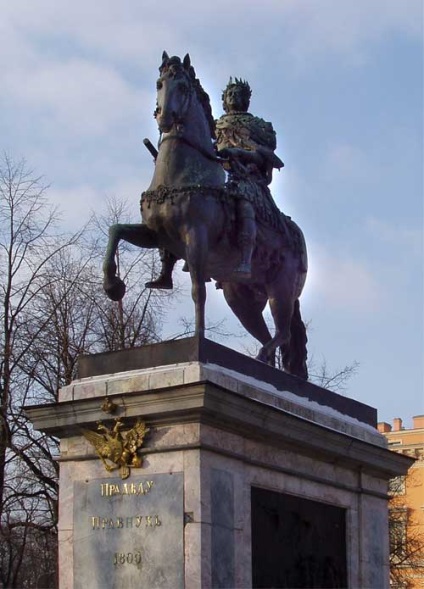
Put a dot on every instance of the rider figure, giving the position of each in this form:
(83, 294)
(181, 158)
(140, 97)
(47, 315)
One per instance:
(248, 142)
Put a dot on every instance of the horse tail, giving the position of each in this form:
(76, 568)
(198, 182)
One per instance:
(294, 358)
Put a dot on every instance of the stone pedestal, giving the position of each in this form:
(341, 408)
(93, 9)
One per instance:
(250, 477)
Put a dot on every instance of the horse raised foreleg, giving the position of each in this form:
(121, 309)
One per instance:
(137, 234)
(196, 251)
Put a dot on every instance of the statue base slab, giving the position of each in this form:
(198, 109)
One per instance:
(250, 477)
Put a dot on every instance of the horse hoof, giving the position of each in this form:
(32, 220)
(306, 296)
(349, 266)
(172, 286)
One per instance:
(266, 358)
(262, 357)
(114, 288)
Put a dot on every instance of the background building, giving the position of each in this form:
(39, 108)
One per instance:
(407, 505)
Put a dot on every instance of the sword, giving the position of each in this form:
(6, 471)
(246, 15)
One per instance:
(151, 148)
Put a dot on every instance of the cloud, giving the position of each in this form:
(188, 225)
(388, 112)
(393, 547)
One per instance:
(346, 161)
(82, 65)
(346, 28)
(340, 281)
(75, 204)
(78, 202)
(136, 31)
(400, 236)
(83, 97)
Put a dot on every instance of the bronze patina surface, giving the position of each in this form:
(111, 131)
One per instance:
(228, 229)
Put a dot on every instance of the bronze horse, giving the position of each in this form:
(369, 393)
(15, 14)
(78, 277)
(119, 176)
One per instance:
(187, 210)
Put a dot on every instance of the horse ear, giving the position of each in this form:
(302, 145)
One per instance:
(187, 61)
(165, 56)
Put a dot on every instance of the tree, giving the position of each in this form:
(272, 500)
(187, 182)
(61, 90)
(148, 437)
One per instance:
(27, 243)
(136, 319)
(52, 310)
(335, 380)
(406, 541)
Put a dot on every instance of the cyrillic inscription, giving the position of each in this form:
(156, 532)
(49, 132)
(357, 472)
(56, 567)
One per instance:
(116, 523)
(113, 489)
(121, 529)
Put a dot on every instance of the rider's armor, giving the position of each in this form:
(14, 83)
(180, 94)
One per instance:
(249, 174)
(249, 177)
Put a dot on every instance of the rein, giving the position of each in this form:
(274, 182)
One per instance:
(183, 139)
(198, 148)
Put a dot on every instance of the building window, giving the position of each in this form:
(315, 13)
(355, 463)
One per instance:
(397, 486)
(397, 534)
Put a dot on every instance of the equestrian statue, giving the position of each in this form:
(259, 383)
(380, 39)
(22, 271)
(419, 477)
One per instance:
(209, 203)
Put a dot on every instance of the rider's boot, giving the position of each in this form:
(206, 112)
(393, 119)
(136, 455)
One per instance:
(247, 240)
(164, 280)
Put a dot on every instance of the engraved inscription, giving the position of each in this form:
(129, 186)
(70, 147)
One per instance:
(120, 558)
(112, 523)
(121, 529)
(111, 490)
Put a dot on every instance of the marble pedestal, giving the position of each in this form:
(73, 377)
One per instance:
(220, 425)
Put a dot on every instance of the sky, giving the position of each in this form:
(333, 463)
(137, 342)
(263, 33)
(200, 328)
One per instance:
(342, 83)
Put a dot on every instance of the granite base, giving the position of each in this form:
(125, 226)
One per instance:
(218, 431)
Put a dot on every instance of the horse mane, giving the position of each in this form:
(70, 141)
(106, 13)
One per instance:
(205, 101)
(202, 95)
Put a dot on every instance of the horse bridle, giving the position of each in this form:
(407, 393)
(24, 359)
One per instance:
(183, 139)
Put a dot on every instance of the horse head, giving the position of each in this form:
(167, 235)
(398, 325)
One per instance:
(178, 89)
(174, 92)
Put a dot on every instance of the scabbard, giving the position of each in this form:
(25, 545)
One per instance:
(151, 148)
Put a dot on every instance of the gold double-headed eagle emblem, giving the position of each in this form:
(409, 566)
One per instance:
(116, 448)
